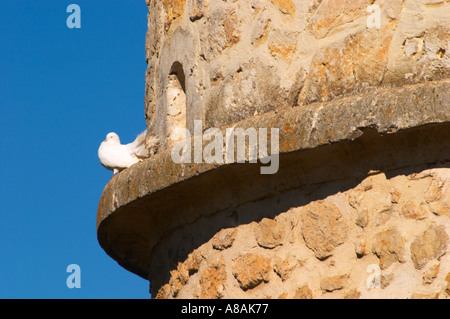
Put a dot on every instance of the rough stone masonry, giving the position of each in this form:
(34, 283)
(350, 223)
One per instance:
(360, 206)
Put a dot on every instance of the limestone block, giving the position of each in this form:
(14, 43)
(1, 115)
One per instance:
(331, 14)
(361, 247)
(250, 270)
(389, 246)
(224, 239)
(285, 6)
(333, 283)
(174, 9)
(212, 280)
(193, 262)
(323, 228)
(269, 233)
(353, 294)
(430, 273)
(361, 59)
(198, 9)
(431, 244)
(283, 267)
(412, 209)
(304, 292)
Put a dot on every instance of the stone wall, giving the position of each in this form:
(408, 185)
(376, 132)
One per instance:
(245, 57)
(394, 226)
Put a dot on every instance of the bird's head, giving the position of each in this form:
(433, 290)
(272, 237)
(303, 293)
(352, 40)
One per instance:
(112, 137)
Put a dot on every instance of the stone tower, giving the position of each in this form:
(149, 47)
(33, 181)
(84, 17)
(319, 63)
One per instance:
(360, 204)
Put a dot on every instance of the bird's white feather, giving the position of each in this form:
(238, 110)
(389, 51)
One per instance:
(138, 145)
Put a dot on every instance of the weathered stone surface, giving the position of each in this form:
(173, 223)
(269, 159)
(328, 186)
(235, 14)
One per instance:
(430, 273)
(434, 192)
(386, 279)
(361, 247)
(419, 54)
(417, 295)
(250, 270)
(283, 267)
(431, 244)
(285, 6)
(389, 246)
(333, 283)
(304, 292)
(193, 262)
(212, 280)
(393, 8)
(164, 292)
(341, 68)
(447, 288)
(353, 294)
(174, 9)
(331, 14)
(223, 24)
(283, 44)
(413, 210)
(269, 233)
(323, 228)
(363, 218)
(439, 198)
(224, 239)
(178, 278)
(198, 9)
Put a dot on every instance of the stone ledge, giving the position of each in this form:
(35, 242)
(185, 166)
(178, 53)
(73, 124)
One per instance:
(145, 202)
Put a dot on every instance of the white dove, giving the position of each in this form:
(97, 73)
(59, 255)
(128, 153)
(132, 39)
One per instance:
(116, 157)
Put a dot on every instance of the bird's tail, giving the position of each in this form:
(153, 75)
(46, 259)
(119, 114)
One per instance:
(140, 139)
(137, 147)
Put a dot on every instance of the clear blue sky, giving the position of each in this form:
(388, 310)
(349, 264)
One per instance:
(61, 91)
